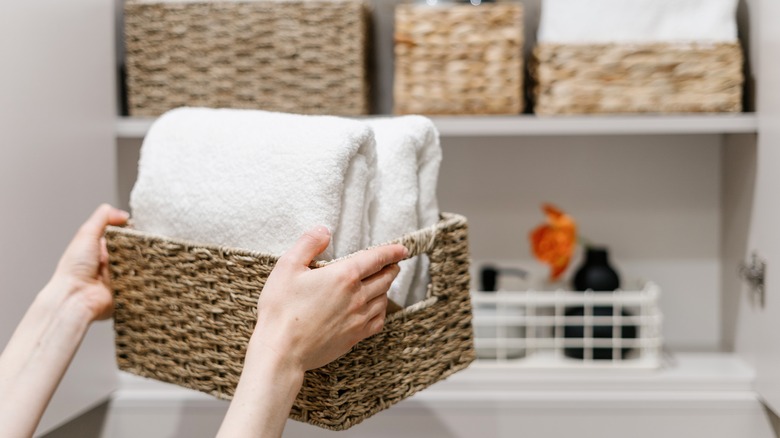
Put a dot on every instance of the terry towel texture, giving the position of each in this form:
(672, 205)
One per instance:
(408, 160)
(255, 179)
(637, 21)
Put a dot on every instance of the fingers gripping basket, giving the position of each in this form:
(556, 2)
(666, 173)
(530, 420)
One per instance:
(184, 314)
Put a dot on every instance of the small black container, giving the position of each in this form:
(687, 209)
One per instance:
(596, 273)
(488, 279)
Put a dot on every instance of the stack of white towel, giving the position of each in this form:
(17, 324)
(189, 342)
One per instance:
(258, 180)
(637, 21)
(408, 159)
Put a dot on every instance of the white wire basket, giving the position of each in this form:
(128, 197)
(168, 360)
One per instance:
(565, 329)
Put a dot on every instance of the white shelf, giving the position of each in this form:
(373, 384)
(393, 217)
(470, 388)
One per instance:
(133, 127)
(683, 373)
(530, 125)
(680, 372)
(702, 391)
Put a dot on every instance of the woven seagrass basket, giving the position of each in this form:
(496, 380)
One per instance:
(642, 78)
(459, 59)
(299, 56)
(184, 314)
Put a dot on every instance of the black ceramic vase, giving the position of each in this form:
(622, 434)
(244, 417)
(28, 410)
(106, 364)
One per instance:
(597, 274)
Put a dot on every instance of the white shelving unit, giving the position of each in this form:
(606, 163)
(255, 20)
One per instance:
(530, 125)
(688, 390)
(669, 193)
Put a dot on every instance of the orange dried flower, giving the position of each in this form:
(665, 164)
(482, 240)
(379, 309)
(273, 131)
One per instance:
(553, 243)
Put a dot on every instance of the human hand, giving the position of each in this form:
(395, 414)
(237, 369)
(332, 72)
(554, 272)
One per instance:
(83, 268)
(314, 316)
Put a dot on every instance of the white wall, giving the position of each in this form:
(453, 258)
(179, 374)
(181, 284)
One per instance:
(57, 162)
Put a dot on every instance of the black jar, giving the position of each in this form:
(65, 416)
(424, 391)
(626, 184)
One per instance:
(596, 274)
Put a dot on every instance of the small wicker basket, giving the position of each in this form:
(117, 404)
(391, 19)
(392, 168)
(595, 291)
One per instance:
(300, 56)
(184, 314)
(459, 59)
(641, 78)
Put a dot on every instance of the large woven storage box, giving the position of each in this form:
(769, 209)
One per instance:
(300, 56)
(640, 78)
(459, 59)
(184, 314)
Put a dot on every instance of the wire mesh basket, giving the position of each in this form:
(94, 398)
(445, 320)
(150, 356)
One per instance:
(566, 329)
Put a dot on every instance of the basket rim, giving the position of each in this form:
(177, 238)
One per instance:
(689, 45)
(446, 220)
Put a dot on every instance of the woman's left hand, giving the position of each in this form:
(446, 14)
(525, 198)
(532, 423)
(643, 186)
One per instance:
(83, 268)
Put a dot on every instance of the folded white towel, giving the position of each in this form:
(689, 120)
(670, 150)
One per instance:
(637, 21)
(255, 179)
(408, 160)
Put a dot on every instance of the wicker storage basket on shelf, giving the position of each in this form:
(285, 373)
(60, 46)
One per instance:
(642, 78)
(184, 314)
(300, 56)
(459, 59)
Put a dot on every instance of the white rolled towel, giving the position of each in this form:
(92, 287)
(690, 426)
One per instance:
(255, 179)
(637, 21)
(408, 161)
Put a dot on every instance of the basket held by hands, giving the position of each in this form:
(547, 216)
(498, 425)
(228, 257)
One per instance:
(184, 314)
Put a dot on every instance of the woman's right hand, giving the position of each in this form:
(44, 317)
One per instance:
(313, 316)
(305, 319)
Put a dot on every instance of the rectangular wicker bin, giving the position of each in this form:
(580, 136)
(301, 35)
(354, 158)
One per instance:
(459, 59)
(184, 314)
(299, 56)
(637, 78)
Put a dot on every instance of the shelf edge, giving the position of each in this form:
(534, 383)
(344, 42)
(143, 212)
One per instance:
(530, 126)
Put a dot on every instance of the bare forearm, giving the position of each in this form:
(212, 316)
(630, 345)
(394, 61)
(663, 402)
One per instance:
(36, 358)
(30, 330)
(264, 397)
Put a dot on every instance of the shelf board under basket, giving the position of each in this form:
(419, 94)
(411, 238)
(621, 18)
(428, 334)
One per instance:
(713, 375)
(531, 125)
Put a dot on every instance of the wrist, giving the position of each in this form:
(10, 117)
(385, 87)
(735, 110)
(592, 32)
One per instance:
(267, 365)
(60, 296)
(265, 393)
(278, 349)
(262, 354)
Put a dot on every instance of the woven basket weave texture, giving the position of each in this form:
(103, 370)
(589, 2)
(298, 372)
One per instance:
(459, 59)
(647, 78)
(184, 315)
(301, 56)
